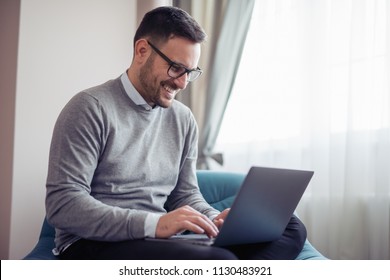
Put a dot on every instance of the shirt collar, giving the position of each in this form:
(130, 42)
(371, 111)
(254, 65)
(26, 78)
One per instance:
(133, 93)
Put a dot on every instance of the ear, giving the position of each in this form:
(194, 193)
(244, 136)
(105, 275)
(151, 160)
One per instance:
(141, 50)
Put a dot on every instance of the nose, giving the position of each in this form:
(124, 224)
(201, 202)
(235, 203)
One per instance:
(182, 81)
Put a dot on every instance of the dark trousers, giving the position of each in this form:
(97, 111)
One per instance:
(285, 248)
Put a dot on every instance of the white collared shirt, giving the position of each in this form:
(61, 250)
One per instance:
(133, 93)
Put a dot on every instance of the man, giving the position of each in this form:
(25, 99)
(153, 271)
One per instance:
(123, 158)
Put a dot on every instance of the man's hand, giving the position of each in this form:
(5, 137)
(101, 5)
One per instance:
(218, 221)
(185, 218)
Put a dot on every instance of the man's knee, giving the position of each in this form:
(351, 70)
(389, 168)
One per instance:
(297, 228)
(295, 234)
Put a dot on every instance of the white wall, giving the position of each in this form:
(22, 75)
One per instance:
(64, 47)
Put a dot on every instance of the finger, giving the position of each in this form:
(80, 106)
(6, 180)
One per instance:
(223, 214)
(218, 223)
(190, 226)
(208, 226)
(205, 224)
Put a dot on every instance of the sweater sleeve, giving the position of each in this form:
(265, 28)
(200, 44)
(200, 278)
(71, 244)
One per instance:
(78, 141)
(187, 190)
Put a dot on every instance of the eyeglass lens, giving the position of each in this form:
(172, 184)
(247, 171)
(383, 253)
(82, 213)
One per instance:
(176, 71)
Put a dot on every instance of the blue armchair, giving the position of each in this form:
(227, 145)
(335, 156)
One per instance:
(218, 188)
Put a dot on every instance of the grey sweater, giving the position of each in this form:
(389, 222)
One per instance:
(113, 162)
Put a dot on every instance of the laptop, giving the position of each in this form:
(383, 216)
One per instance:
(261, 210)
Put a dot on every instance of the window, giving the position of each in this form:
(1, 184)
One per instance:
(312, 92)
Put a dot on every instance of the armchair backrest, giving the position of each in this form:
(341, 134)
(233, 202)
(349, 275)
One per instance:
(219, 188)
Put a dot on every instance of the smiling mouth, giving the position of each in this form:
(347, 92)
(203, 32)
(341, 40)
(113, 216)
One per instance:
(170, 91)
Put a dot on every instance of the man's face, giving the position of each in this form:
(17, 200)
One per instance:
(157, 87)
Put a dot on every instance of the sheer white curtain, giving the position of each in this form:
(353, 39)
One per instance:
(312, 92)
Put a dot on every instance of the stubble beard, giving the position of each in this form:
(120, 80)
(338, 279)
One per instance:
(152, 88)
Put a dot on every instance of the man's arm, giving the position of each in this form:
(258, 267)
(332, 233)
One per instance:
(78, 141)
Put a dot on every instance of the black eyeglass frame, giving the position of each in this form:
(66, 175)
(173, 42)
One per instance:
(190, 78)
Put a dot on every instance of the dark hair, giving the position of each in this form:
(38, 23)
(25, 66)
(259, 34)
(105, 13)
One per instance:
(163, 23)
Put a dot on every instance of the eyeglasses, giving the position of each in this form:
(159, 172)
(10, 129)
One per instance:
(176, 70)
